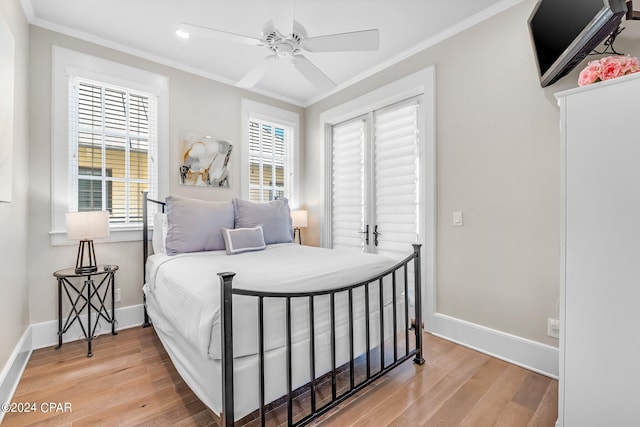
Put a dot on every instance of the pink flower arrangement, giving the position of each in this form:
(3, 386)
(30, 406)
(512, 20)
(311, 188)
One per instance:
(608, 68)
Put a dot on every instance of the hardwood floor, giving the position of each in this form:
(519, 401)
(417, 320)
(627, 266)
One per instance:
(130, 381)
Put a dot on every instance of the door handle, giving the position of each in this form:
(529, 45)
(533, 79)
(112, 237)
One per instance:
(375, 235)
(366, 234)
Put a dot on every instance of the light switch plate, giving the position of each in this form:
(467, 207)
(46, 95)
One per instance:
(457, 218)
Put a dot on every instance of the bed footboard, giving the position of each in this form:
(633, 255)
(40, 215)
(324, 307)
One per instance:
(400, 269)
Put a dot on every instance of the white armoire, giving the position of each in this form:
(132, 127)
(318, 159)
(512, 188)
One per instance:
(599, 383)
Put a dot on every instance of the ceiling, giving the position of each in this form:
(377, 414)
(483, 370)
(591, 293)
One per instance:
(146, 28)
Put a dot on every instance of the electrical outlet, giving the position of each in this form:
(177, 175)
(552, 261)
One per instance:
(117, 295)
(553, 327)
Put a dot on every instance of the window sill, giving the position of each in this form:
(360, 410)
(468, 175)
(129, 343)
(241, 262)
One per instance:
(118, 234)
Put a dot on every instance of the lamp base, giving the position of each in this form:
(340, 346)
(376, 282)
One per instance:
(86, 246)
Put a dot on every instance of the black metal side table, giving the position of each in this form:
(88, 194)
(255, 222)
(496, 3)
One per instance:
(87, 297)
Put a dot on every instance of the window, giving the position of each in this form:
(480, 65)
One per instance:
(270, 161)
(111, 134)
(269, 153)
(109, 123)
(90, 194)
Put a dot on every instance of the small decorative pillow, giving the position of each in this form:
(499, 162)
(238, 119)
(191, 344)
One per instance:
(240, 240)
(274, 217)
(196, 225)
(160, 228)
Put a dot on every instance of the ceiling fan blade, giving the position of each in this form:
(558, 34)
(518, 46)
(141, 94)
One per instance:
(312, 73)
(220, 35)
(256, 73)
(343, 42)
(282, 16)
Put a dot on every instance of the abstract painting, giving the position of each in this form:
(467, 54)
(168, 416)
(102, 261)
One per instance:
(7, 52)
(204, 160)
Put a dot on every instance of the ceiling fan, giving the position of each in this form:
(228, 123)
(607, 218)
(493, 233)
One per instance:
(286, 38)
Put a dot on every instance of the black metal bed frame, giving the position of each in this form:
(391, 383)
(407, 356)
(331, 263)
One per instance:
(227, 291)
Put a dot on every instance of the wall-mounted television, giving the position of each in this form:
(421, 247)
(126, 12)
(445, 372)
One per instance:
(563, 32)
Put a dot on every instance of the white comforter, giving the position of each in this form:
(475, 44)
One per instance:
(187, 288)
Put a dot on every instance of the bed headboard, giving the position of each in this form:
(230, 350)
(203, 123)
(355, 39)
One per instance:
(145, 245)
(145, 229)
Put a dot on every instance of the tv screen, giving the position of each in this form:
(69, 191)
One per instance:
(565, 31)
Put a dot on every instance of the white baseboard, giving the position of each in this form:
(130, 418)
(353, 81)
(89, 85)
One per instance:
(529, 354)
(532, 355)
(45, 333)
(12, 372)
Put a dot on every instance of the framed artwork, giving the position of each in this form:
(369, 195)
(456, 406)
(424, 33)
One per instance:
(204, 160)
(7, 65)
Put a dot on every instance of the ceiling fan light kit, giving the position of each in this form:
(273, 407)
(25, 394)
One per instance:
(290, 45)
(182, 33)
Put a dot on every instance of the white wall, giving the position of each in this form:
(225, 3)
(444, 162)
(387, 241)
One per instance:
(14, 315)
(196, 104)
(498, 162)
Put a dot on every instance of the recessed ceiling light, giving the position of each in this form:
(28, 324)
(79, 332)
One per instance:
(182, 33)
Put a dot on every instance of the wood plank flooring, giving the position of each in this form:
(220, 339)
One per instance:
(130, 381)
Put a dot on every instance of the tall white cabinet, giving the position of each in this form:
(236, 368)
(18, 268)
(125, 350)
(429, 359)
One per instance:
(599, 382)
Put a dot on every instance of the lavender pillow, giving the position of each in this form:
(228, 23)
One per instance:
(274, 217)
(196, 225)
(240, 240)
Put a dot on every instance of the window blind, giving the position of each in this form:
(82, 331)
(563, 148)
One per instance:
(113, 149)
(271, 161)
(396, 178)
(348, 186)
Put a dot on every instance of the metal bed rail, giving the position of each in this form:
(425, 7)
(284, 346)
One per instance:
(227, 293)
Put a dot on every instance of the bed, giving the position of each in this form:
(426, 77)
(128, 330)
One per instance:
(258, 325)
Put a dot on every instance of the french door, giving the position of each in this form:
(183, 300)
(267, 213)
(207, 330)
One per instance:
(375, 205)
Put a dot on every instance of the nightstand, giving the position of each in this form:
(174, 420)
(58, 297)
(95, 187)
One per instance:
(89, 298)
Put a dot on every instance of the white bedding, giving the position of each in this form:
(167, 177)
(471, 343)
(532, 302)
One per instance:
(187, 288)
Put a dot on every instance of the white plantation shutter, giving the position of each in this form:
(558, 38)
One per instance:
(348, 159)
(113, 143)
(398, 172)
(396, 179)
(271, 161)
(375, 176)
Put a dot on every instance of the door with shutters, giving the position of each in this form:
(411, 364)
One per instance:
(375, 203)
(348, 186)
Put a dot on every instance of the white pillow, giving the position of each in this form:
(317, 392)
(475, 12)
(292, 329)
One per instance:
(160, 228)
(238, 240)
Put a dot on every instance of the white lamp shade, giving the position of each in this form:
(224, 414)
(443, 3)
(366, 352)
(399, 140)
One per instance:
(300, 218)
(87, 225)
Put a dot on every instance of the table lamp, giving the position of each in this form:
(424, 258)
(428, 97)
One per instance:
(299, 219)
(86, 226)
